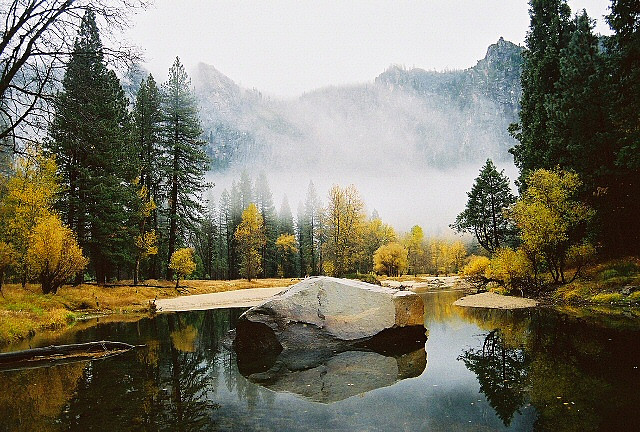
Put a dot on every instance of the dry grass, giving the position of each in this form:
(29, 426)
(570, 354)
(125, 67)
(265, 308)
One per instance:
(604, 283)
(23, 312)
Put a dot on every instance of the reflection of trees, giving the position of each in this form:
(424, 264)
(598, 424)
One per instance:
(187, 375)
(502, 374)
(32, 399)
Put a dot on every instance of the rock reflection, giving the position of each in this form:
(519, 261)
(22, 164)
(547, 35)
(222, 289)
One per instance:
(332, 376)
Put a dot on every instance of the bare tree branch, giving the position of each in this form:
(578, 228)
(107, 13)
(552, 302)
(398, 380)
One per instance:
(35, 45)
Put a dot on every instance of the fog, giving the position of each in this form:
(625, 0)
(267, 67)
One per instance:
(412, 154)
(429, 197)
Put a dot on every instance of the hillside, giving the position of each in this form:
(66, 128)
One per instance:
(413, 116)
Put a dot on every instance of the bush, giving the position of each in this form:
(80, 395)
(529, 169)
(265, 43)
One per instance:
(607, 298)
(476, 268)
(511, 268)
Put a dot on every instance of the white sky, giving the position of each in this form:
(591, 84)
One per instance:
(284, 48)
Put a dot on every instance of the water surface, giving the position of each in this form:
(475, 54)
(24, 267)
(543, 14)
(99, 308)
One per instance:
(485, 370)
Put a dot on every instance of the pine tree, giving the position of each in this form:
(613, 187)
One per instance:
(483, 216)
(621, 223)
(90, 134)
(311, 233)
(186, 160)
(549, 33)
(264, 201)
(226, 231)
(147, 128)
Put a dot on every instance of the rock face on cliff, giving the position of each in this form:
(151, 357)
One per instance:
(323, 316)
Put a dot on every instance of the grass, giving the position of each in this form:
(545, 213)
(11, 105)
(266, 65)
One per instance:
(607, 282)
(24, 312)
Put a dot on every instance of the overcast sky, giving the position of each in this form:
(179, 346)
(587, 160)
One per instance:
(285, 48)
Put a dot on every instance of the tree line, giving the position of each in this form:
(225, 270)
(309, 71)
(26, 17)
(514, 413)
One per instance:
(114, 191)
(121, 184)
(577, 154)
(245, 236)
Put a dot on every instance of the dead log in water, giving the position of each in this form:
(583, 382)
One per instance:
(88, 350)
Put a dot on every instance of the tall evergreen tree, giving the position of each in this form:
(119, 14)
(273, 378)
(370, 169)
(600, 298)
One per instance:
(264, 201)
(90, 136)
(186, 160)
(311, 233)
(623, 230)
(226, 231)
(147, 138)
(548, 34)
(483, 216)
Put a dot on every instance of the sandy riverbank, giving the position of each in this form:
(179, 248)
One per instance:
(229, 299)
(495, 301)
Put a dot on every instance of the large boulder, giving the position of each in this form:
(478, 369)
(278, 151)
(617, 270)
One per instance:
(324, 313)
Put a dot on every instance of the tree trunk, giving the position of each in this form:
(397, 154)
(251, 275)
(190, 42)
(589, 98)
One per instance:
(136, 271)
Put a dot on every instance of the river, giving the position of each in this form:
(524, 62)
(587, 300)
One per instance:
(481, 370)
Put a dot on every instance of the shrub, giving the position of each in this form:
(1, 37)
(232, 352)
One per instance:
(182, 263)
(607, 298)
(476, 268)
(54, 254)
(511, 268)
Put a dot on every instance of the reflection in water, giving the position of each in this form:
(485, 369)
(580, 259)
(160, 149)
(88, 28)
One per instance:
(333, 376)
(488, 370)
(502, 374)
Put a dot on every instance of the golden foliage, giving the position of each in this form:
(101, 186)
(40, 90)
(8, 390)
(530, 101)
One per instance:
(182, 261)
(29, 196)
(476, 267)
(549, 218)
(147, 243)
(511, 267)
(390, 259)
(251, 238)
(54, 254)
(287, 243)
(345, 222)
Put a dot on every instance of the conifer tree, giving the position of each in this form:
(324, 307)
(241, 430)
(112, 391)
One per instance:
(147, 127)
(186, 160)
(483, 216)
(264, 201)
(548, 34)
(90, 132)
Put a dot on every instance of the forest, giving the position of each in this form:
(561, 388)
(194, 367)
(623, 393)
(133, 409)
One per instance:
(98, 186)
(577, 154)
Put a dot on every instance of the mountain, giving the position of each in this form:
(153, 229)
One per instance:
(405, 116)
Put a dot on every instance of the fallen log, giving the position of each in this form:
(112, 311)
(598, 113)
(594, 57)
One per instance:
(56, 352)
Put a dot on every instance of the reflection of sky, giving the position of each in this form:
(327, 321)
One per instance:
(445, 397)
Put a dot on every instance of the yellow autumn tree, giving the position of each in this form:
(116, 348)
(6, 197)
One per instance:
(7, 259)
(29, 197)
(375, 233)
(251, 238)
(182, 263)
(414, 242)
(146, 240)
(456, 254)
(390, 259)
(552, 222)
(53, 254)
(345, 218)
(286, 245)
